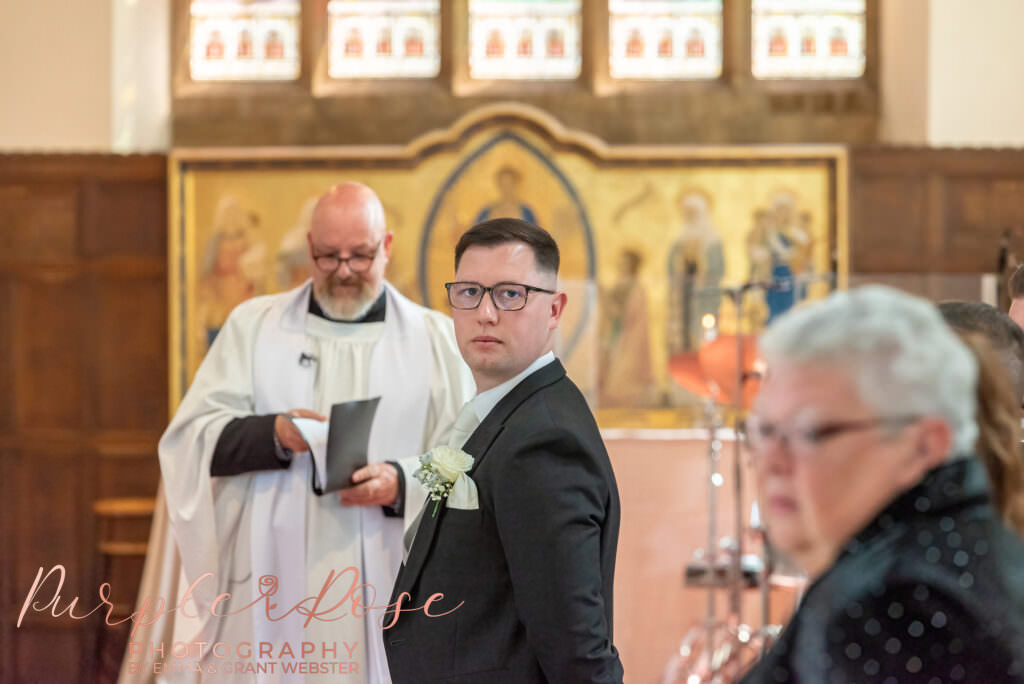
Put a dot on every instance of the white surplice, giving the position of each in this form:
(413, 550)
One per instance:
(245, 527)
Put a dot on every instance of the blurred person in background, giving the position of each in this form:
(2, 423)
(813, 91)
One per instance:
(998, 345)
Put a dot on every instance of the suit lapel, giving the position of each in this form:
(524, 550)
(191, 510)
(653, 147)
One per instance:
(478, 442)
(478, 445)
(479, 448)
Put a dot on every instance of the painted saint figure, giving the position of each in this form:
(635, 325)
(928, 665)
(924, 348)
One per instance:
(665, 45)
(354, 44)
(778, 46)
(555, 44)
(292, 262)
(695, 44)
(384, 42)
(635, 44)
(232, 269)
(524, 48)
(695, 267)
(245, 44)
(509, 203)
(275, 46)
(495, 44)
(413, 44)
(215, 46)
(626, 380)
(780, 247)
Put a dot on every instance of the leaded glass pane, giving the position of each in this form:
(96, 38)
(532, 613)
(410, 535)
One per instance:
(808, 39)
(383, 38)
(665, 39)
(524, 39)
(250, 40)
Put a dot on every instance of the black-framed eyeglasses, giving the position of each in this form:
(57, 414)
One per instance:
(505, 296)
(357, 263)
(804, 439)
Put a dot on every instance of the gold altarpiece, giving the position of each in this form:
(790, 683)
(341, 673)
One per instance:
(634, 224)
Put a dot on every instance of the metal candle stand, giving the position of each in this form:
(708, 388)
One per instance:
(703, 656)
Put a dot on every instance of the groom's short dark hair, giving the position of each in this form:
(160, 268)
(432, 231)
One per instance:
(500, 231)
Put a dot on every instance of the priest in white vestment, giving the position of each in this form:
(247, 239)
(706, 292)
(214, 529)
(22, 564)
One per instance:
(236, 471)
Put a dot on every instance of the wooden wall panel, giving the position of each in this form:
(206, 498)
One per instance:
(8, 396)
(899, 204)
(129, 380)
(125, 218)
(53, 493)
(128, 475)
(7, 593)
(977, 211)
(39, 221)
(50, 529)
(83, 362)
(49, 366)
(48, 654)
(920, 210)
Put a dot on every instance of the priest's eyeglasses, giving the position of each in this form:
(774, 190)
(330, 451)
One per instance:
(505, 296)
(804, 439)
(357, 263)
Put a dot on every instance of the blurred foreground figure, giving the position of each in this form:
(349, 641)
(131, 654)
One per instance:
(998, 344)
(863, 441)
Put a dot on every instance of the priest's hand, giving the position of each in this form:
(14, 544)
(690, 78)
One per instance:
(373, 485)
(288, 436)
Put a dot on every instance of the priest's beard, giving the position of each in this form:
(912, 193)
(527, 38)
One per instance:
(339, 299)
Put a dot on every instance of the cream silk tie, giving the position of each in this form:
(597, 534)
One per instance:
(465, 424)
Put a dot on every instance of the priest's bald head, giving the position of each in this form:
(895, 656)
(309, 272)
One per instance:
(349, 245)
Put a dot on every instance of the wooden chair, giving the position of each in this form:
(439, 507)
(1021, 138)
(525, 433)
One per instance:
(111, 516)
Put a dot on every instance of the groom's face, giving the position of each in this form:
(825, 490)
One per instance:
(497, 344)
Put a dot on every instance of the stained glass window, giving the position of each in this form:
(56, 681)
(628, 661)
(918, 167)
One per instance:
(808, 38)
(524, 39)
(383, 38)
(244, 40)
(665, 39)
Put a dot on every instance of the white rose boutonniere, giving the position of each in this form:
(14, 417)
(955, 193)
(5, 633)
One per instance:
(443, 472)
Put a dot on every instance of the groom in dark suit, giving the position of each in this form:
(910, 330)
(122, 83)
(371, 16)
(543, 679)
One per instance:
(532, 564)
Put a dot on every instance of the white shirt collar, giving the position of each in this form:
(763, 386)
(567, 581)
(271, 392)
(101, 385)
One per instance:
(485, 402)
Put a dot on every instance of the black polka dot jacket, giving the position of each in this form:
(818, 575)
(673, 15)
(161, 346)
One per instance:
(931, 591)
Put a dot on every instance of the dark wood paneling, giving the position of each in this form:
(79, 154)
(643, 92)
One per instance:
(125, 476)
(124, 219)
(899, 205)
(49, 366)
(7, 595)
(83, 365)
(39, 221)
(53, 529)
(49, 654)
(128, 374)
(921, 210)
(9, 394)
(978, 210)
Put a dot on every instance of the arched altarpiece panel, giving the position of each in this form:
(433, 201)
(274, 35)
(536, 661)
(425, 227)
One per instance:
(651, 237)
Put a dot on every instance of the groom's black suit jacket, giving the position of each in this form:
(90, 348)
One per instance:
(533, 566)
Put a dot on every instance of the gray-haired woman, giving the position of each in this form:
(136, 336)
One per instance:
(863, 441)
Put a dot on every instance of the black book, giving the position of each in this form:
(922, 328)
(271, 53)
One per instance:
(348, 441)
